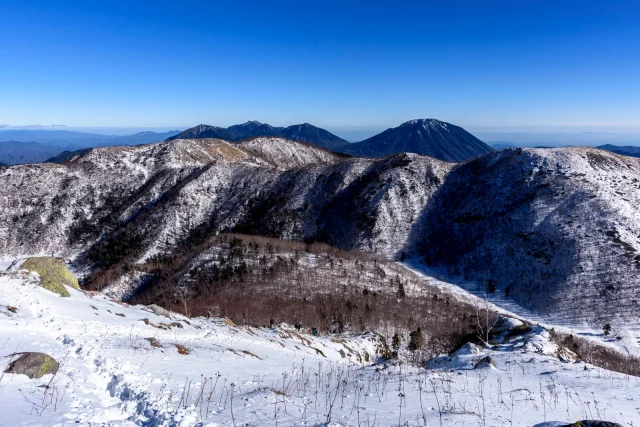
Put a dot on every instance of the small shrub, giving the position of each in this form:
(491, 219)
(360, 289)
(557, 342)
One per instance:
(154, 342)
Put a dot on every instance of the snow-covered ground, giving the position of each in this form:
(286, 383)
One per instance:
(110, 373)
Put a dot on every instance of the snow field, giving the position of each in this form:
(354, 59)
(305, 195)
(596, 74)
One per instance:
(112, 374)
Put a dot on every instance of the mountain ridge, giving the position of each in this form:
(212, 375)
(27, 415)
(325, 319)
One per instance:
(429, 137)
(519, 221)
(236, 133)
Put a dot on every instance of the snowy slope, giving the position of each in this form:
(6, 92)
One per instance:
(111, 374)
(285, 154)
(555, 229)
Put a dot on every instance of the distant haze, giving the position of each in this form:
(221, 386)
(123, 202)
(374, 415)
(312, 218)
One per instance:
(558, 139)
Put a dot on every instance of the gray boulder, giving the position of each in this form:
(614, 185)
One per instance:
(33, 365)
(484, 363)
(593, 423)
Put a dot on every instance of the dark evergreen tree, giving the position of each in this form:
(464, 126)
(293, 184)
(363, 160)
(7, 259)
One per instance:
(415, 340)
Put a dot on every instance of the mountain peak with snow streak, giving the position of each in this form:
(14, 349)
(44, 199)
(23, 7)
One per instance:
(429, 137)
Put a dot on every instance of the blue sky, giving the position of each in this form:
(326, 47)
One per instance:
(348, 65)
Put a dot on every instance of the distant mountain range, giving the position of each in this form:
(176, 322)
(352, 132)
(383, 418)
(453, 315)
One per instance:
(428, 137)
(501, 145)
(35, 146)
(623, 150)
(18, 152)
(300, 133)
(559, 139)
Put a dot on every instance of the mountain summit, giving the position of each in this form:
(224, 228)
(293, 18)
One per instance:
(429, 137)
(253, 129)
(309, 133)
(203, 131)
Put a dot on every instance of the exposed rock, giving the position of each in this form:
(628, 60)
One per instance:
(33, 365)
(567, 355)
(506, 327)
(593, 423)
(484, 363)
(54, 274)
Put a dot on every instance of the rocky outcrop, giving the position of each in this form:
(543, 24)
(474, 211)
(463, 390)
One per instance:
(53, 274)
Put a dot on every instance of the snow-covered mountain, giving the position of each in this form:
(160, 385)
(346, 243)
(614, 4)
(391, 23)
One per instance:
(555, 229)
(428, 137)
(267, 186)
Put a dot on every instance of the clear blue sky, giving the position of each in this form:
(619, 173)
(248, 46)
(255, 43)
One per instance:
(349, 64)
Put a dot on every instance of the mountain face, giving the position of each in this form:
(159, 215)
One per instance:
(301, 133)
(555, 229)
(314, 135)
(252, 129)
(203, 131)
(428, 137)
(166, 190)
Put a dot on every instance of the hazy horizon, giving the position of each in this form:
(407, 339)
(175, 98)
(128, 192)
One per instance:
(519, 136)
